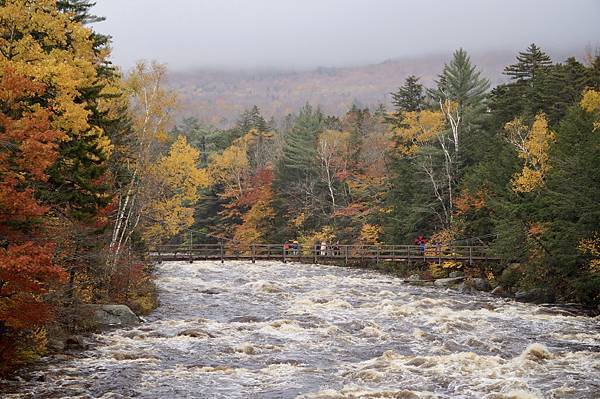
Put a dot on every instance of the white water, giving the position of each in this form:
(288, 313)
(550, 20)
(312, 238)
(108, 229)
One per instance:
(273, 330)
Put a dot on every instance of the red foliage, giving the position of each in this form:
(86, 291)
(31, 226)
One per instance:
(28, 147)
(25, 272)
(263, 179)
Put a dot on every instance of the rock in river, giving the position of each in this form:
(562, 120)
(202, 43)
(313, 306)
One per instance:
(480, 284)
(111, 315)
(444, 282)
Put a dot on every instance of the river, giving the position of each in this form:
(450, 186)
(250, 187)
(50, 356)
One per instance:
(274, 330)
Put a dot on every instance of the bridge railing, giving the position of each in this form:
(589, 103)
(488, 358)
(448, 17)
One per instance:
(406, 253)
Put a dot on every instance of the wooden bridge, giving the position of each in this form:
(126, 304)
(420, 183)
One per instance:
(316, 254)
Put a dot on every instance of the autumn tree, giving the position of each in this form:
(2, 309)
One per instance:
(532, 145)
(150, 108)
(333, 152)
(176, 183)
(28, 147)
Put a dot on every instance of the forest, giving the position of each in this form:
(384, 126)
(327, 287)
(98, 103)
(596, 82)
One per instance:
(95, 169)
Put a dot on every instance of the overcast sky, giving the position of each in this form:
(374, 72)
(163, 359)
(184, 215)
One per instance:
(307, 33)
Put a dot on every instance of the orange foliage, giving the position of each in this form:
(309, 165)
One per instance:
(467, 201)
(28, 147)
(258, 220)
(25, 272)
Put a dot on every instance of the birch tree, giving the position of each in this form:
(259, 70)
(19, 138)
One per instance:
(150, 107)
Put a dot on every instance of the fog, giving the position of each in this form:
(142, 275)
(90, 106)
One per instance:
(307, 33)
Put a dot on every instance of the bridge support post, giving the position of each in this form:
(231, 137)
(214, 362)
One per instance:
(283, 253)
(159, 256)
(408, 254)
(315, 249)
(222, 252)
(470, 255)
(253, 253)
(191, 255)
(346, 255)
(437, 249)
(377, 257)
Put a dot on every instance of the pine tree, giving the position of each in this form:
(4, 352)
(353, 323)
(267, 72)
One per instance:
(460, 82)
(530, 62)
(299, 154)
(410, 97)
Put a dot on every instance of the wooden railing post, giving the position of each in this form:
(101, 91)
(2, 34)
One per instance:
(315, 249)
(437, 249)
(253, 253)
(346, 255)
(283, 252)
(191, 256)
(408, 254)
(470, 255)
(222, 252)
(377, 256)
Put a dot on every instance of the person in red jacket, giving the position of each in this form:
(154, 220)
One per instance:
(421, 242)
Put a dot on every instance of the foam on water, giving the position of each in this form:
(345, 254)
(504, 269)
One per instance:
(274, 330)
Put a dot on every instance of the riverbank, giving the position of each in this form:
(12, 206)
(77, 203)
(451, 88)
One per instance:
(475, 279)
(75, 318)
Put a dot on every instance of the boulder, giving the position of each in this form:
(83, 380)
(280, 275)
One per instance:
(464, 288)
(210, 291)
(75, 342)
(56, 344)
(535, 295)
(480, 284)
(111, 315)
(444, 282)
(195, 333)
(456, 273)
(414, 277)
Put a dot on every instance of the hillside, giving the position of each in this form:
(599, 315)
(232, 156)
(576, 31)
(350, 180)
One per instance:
(218, 97)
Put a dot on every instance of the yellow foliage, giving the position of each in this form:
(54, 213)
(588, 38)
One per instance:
(178, 180)
(150, 104)
(298, 221)
(591, 247)
(370, 234)
(49, 47)
(231, 168)
(442, 240)
(591, 103)
(532, 146)
(33, 346)
(307, 242)
(419, 128)
(437, 271)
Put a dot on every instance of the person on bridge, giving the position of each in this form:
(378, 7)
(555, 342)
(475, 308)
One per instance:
(421, 242)
(295, 247)
(323, 248)
(286, 247)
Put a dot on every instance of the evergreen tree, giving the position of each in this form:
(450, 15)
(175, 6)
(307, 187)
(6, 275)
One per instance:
(410, 97)
(560, 86)
(460, 82)
(299, 154)
(530, 63)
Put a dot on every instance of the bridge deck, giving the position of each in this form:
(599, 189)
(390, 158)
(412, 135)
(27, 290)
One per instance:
(345, 253)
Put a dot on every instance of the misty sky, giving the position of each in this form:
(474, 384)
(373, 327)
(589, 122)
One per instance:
(308, 33)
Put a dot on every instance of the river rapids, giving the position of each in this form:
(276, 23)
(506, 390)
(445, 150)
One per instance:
(274, 330)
